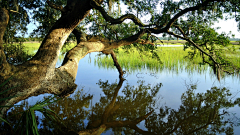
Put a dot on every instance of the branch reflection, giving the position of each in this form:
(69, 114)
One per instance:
(122, 108)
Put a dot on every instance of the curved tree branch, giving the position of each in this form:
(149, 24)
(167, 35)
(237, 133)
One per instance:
(116, 64)
(181, 30)
(195, 45)
(182, 12)
(80, 36)
(110, 19)
(128, 41)
(109, 108)
(216, 66)
(156, 30)
(71, 60)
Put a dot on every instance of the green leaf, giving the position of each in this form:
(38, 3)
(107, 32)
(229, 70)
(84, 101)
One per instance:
(1, 119)
(6, 81)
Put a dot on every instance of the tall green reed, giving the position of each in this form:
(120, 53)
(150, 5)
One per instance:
(171, 58)
(27, 124)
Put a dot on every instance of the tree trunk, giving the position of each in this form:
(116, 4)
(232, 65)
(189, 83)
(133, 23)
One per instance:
(5, 67)
(39, 75)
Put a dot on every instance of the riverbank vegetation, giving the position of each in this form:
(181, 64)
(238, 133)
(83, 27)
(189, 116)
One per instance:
(182, 42)
(131, 59)
(171, 58)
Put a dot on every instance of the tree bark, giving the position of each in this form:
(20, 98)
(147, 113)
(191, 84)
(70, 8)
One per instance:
(116, 64)
(5, 67)
(81, 37)
(39, 75)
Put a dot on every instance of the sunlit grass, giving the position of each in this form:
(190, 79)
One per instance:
(235, 59)
(32, 47)
(169, 42)
(182, 42)
(171, 58)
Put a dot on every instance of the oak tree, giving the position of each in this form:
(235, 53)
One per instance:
(190, 20)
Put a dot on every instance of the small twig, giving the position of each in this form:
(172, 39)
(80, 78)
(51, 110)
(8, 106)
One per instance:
(118, 20)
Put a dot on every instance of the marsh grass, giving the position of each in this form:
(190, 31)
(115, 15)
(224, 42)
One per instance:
(170, 42)
(171, 58)
(182, 42)
(31, 47)
(235, 59)
(27, 123)
(28, 48)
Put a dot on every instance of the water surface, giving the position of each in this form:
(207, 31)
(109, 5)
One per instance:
(142, 92)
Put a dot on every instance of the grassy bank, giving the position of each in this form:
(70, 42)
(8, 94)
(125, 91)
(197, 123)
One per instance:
(182, 42)
(32, 47)
(170, 42)
(171, 58)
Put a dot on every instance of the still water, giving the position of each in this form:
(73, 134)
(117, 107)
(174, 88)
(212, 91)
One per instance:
(181, 102)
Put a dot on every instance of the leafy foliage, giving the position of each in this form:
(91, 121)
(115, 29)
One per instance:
(25, 121)
(72, 111)
(200, 113)
(19, 16)
(16, 53)
(190, 20)
(2, 99)
(45, 17)
(135, 102)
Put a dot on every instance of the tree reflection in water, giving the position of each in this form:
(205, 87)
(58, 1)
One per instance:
(199, 113)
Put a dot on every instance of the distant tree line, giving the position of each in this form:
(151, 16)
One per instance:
(174, 38)
(234, 39)
(22, 39)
